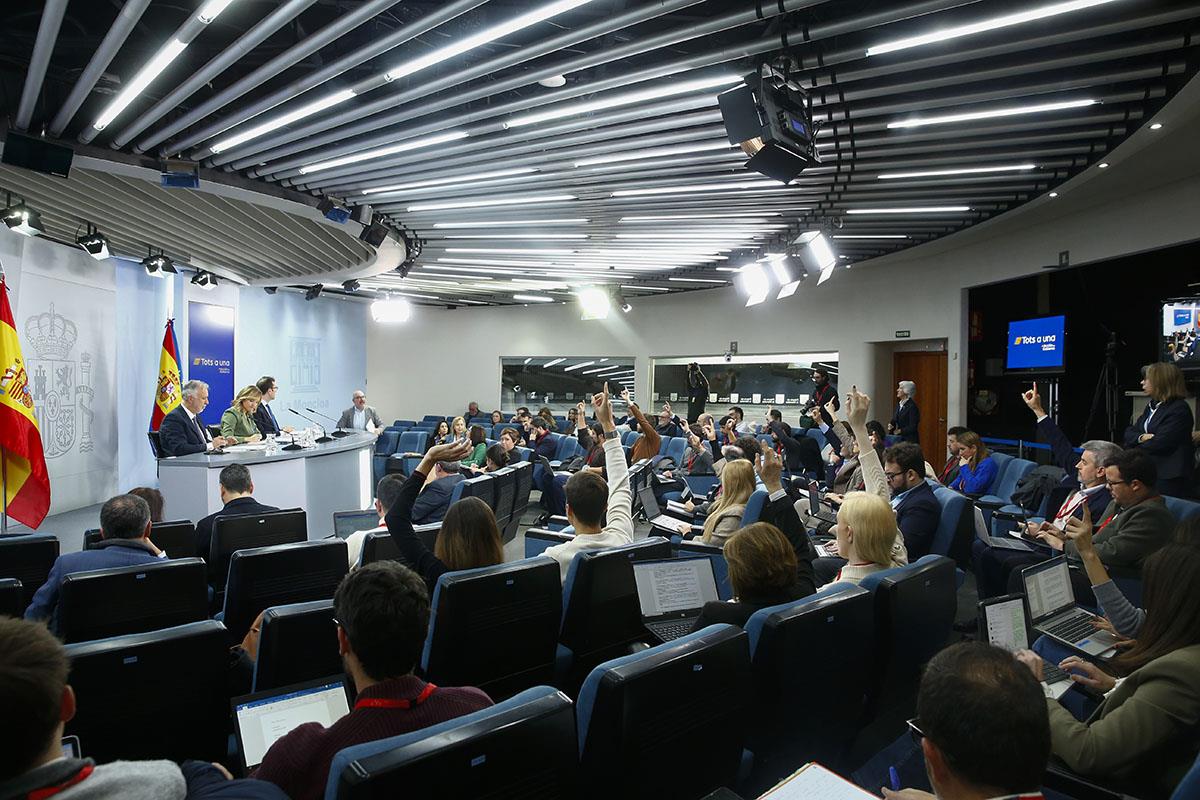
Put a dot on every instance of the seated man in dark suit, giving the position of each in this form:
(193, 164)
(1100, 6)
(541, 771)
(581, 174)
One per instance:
(382, 613)
(917, 509)
(182, 432)
(237, 492)
(264, 417)
(125, 540)
(434, 499)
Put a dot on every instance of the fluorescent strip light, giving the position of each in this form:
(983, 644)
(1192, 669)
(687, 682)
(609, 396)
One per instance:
(504, 223)
(577, 366)
(533, 298)
(529, 236)
(970, 29)
(511, 251)
(701, 187)
(529, 359)
(731, 215)
(697, 280)
(729, 269)
(598, 369)
(211, 10)
(1010, 111)
(379, 152)
(148, 73)
(663, 90)
(647, 288)
(553, 361)
(654, 152)
(935, 173)
(486, 35)
(913, 210)
(870, 236)
(495, 201)
(732, 236)
(482, 176)
(308, 110)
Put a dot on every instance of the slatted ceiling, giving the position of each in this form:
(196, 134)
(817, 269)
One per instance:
(1129, 55)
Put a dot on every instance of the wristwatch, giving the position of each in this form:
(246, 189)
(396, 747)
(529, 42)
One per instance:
(611, 435)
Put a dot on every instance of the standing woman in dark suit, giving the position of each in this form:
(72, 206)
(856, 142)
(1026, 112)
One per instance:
(907, 417)
(1164, 430)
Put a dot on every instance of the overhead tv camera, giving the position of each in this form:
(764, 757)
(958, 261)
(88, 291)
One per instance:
(770, 117)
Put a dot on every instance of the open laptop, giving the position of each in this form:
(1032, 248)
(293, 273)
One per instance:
(815, 509)
(653, 513)
(1007, 625)
(348, 522)
(1052, 609)
(672, 592)
(263, 718)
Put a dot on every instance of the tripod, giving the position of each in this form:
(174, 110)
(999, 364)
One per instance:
(1106, 397)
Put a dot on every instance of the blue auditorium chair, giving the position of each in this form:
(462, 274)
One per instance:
(816, 435)
(160, 694)
(12, 598)
(676, 447)
(691, 695)
(404, 423)
(524, 473)
(103, 603)
(537, 540)
(505, 501)
(297, 643)
(956, 527)
(808, 708)
(629, 437)
(482, 486)
(523, 747)
(410, 442)
(379, 546)
(385, 447)
(495, 628)
(249, 531)
(28, 558)
(754, 506)
(1001, 491)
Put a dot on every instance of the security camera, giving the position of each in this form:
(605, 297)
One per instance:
(728, 355)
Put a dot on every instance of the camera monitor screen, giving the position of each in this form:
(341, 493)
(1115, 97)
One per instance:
(1036, 345)
(1181, 332)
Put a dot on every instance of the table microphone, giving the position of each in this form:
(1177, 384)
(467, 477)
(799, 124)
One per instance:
(338, 433)
(323, 437)
(293, 446)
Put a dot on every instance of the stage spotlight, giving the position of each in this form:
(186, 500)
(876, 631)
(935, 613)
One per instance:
(23, 220)
(351, 285)
(770, 117)
(204, 280)
(815, 254)
(94, 243)
(333, 211)
(314, 291)
(392, 310)
(270, 289)
(755, 283)
(157, 264)
(594, 302)
(374, 234)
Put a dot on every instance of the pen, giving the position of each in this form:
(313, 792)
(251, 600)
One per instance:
(894, 777)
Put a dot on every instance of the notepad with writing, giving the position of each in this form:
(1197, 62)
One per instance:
(814, 782)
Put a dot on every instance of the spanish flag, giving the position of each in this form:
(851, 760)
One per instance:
(169, 391)
(26, 482)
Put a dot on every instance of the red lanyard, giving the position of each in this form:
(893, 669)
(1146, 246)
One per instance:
(1071, 506)
(50, 791)
(1102, 524)
(387, 702)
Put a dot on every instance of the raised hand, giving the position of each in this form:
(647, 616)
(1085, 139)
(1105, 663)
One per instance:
(831, 409)
(456, 450)
(603, 407)
(1033, 400)
(857, 406)
(770, 468)
(1079, 531)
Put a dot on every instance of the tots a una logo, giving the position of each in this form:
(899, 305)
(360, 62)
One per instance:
(1050, 339)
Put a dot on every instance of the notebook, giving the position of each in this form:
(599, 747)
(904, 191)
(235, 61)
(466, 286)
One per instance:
(263, 718)
(814, 782)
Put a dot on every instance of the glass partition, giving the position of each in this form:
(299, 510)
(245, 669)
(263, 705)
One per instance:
(560, 382)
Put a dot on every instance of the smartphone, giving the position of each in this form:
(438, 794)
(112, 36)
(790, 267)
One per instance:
(70, 747)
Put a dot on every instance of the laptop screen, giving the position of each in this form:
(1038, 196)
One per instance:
(814, 498)
(1005, 623)
(673, 585)
(263, 720)
(1048, 588)
(649, 504)
(348, 522)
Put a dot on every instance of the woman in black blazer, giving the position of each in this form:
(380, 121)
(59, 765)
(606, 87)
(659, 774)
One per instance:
(1164, 430)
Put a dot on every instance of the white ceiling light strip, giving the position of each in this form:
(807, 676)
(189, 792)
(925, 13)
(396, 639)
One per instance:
(527, 236)
(938, 173)
(533, 298)
(513, 251)
(655, 152)
(870, 236)
(315, 107)
(450, 181)
(162, 59)
(379, 152)
(912, 210)
(970, 29)
(669, 89)
(1009, 111)
(504, 223)
(495, 201)
(754, 216)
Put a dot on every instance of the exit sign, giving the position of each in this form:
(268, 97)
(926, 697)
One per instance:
(903, 334)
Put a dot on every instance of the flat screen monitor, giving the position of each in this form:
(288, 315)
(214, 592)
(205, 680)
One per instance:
(1181, 332)
(1036, 345)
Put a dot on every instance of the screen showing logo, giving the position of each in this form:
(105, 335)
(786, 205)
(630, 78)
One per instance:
(1036, 343)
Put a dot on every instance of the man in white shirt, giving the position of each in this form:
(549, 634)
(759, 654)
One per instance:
(182, 432)
(739, 421)
(386, 493)
(589, 498)
(360, 416)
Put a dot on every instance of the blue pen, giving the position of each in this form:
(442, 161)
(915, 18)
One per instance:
(895, 778)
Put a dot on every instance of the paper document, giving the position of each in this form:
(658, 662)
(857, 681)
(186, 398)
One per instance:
(679, 508)
(248, 447)
(814, 782)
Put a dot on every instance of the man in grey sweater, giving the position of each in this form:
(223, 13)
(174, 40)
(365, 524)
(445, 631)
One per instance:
(38, 702)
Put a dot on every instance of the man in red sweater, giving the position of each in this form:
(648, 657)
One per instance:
(383, 614)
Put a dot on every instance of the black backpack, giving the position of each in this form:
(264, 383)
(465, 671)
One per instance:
(1034, 488)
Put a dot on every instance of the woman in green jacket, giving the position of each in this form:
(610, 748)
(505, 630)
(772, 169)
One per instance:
(478, 455)
(237, 422)
(1145, 735)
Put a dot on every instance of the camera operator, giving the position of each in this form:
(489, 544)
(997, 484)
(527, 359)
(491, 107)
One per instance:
(697, 391)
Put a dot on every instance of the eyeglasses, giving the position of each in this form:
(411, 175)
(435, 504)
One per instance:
(891, 476)
(914, 729)
(1115, 483)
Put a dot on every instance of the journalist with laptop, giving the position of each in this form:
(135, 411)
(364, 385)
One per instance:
(673, 592)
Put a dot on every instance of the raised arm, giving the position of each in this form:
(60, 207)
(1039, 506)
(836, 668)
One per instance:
(1061, 449)
(620, 498)
(857, 406)
(652, 437)
(399, 516)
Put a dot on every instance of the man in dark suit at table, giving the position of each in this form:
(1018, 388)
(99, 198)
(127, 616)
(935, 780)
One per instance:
(237, 493)
(264, 417)
(182, 432)
(434, 499)
(917, 508)
(907, 417)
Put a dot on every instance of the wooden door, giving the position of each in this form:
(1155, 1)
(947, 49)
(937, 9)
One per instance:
(929, 372)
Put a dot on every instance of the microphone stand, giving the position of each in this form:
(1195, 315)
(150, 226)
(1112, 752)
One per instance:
(293, 446)
(338, 433)
(323, 437)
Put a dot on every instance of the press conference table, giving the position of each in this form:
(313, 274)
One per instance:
(322, 479)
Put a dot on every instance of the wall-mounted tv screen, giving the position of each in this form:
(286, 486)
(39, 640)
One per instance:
(1036, 345)
(1181, 332)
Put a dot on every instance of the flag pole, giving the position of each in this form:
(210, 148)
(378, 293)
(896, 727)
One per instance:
(4, 484)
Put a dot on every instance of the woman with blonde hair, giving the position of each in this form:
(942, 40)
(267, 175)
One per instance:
(762, 573)
(977, 469)
(458, 428)
(237, 422)
(866, 531)
(725, 516)
(1164, 430)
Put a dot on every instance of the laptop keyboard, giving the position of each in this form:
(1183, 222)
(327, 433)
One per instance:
(669, 631)
(1052, 674)
(1073, 629)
